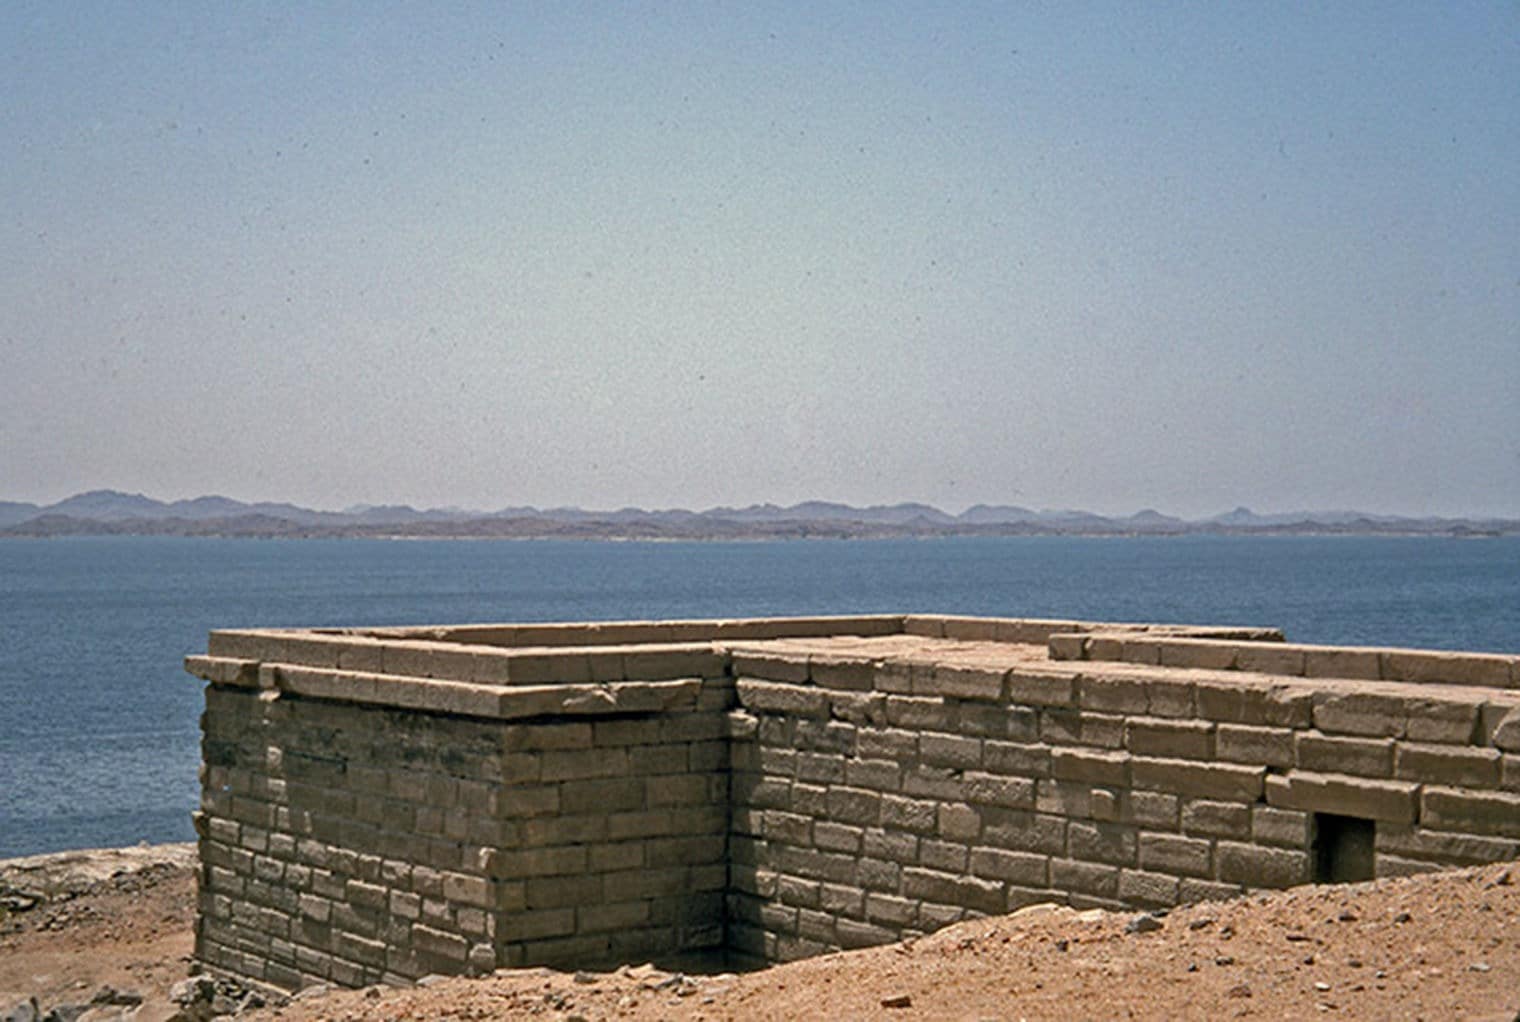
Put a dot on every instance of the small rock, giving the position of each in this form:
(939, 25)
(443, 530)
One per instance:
(586, 978)
(110, 995)
(1402, 917)
(1239, 990)
(65, 1013)
(197, 989)
(1347, 916)
(897, 1001)
(1143, 923)
(431, 979)
(1478, 967)
(1198, 924)
(1224, 960)
(1297, 937)
(26, 1011)
(1062, 944)
(1322, 987)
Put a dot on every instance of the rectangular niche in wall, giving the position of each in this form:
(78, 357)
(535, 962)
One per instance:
(1342, 849)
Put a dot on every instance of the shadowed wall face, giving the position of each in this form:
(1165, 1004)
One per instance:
(380, 805)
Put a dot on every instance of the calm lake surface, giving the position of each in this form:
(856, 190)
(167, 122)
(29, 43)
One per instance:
(99, 724)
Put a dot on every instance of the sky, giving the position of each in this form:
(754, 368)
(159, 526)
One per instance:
(1108, 256)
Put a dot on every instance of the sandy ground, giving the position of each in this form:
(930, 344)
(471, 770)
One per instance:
(1436, 947)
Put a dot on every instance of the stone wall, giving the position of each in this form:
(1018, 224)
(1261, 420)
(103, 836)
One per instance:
(879, 796)
(382, 804)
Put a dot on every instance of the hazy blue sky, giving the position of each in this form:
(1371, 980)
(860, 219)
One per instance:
(1109, 256)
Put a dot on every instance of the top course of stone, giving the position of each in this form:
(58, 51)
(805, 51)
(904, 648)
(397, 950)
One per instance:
(510, 671)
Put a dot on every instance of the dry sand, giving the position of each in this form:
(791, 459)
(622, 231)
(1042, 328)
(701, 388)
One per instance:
(1442, 946)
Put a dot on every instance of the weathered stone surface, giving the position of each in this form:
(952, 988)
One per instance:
(1393, 801)
(385, 803)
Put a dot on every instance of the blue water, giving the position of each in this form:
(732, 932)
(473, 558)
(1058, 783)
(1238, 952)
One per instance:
(98, 724)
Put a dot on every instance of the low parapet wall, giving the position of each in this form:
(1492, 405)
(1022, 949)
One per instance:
(381, 804)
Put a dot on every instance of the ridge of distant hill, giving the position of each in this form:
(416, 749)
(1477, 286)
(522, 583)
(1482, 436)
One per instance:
(111, 512)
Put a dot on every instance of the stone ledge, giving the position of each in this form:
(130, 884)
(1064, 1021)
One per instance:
(487, 701)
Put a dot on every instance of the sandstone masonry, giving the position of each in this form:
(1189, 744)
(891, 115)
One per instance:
(381, 804)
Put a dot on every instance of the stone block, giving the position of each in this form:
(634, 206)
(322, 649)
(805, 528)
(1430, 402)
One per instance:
(1067, 646)
(749, 663)
(1111, 843)
(1254, 866)
(1171, 853)
(601, 794)
(1014, 758)
(1505, 733)
(1150, 809)
(525, 926)
(950, 751)
(1243, 701)
(1090, 766)
(1068, 727)
(1392, 801)
(1175, 739)
(361, 950)
(853, 805)
(1141, 651)
(1446, 764)
(1022, 868)
(1366, 710)
(1270, 658)
(1192, 892)
(440, 944)
(1487, 813)
(1207, 654)
(874, 774)
(1365, 757)
(1452, 719)
(1170, 697)
(1268, 746)
(1341, 662)
(945, 856)
(959, 822)
(836, 837)
(1085, 878)
(1063, 798)
(974, 683)
(1216, 819)
(1286, 827)
(1147, 890)
(1207, 780)
(622, 915)
(1424, 666)
(779, 697)
(918, 713)
(1031, 686)
(1446, 847)
(839, 672)
(1108, 694)
(994, 790)
(890, 910)
(914, 815)
(892, 845)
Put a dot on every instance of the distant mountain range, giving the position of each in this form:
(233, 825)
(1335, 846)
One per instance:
(109, 512)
